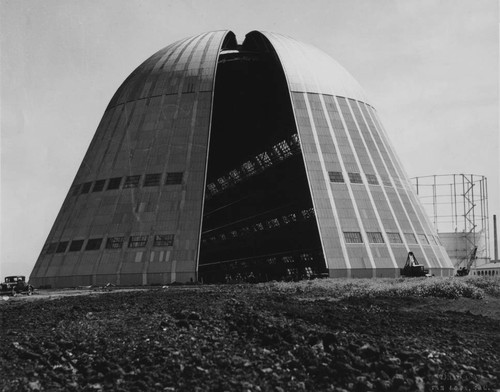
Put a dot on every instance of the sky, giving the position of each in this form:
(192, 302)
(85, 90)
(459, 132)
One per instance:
(430, 68)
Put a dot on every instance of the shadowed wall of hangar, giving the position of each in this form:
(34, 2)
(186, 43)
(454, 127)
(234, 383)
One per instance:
(215, 159)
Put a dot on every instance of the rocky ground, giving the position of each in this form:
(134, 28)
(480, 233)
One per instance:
(247, 338)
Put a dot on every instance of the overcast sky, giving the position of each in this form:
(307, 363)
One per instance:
(430, 68)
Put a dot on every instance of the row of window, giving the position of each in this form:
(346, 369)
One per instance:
(486, 272)
(277, 153)
(290, 260)
(137, 241)
(355, 178)
(136, 181)
(268, 224)
(354, 237)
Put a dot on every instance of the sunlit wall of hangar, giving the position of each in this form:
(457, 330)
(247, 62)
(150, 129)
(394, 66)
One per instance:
(214, 160)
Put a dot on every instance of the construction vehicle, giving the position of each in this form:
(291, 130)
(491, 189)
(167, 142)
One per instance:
(464, 271)
(412, 267)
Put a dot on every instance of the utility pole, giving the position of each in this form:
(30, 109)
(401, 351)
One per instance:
(495, 239)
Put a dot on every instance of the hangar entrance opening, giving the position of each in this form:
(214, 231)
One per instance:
(258, 218)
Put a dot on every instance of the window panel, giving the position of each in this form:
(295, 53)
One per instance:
(51, 248)
(336, 176)
(76, 245)
(308, 214)
(353, 237)
(61, 247)
(410, 238)
(355, 178)
(394, 238)
(114, 242)
(98, 186)
(375, 237)
(114, 183)
(423, 238)
(152, 179)
(138, 241)
(86, 187)
(174, 178)
(93, 244)
(76, 190)
(372, 179)
(164, 240)
(132, 181)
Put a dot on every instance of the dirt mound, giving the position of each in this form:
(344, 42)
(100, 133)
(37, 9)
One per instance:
(246, 338)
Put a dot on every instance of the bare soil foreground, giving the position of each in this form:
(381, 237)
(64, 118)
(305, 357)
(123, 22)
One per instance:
(267, 337)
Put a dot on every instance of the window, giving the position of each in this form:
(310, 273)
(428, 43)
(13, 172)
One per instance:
(98, 186)
(273, 223)
(336, 176)
(353, 237)
(410, 238)
(93, 244)
(174, 178)
(248, 168)
(308, 214)
(287, 259)
(394, 238)
(294, 141)
(76, 190)
(212, 188)
(76, 245)
(258, 227)
(372, 179)
(164, 240)
(223, 182)
(235, 175)
(306, 257)
(152, 179)
(114, 243)
(114, 183)
(138, 241)
(289, 218)
(292, 271)
(355, 178)
(244, 230)
(263, 160)
(51, 248)
(284, 148)
(386, 181)
(132, 181)
(61, 247)
(423, 238)
(375, 237)
(86, 187)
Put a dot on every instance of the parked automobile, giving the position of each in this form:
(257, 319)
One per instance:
(14, 285)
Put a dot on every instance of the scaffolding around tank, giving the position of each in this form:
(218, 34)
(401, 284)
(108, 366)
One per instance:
(458, 206)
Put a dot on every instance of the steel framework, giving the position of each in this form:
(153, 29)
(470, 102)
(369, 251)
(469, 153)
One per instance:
(458, 205)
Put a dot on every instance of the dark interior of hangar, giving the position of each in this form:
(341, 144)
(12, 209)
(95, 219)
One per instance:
(258, 221)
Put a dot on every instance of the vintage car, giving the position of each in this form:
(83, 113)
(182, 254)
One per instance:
(14, 285)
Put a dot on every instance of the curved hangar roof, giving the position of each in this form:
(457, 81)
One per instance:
(190, 63)
(308, 69)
